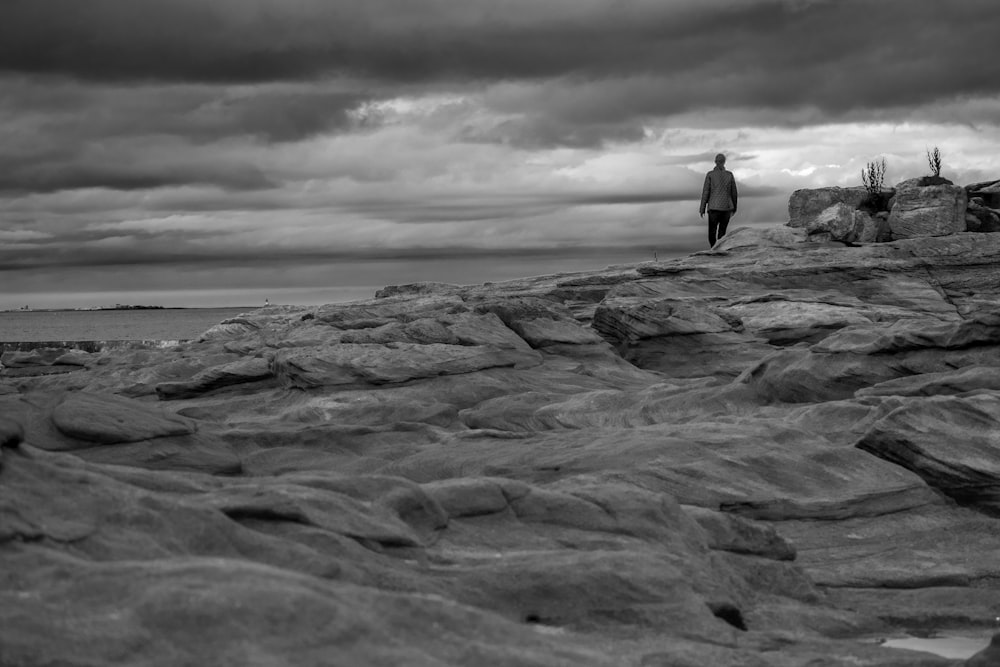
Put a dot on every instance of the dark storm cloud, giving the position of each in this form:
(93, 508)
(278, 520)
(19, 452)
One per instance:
(771, 53)
(67, 111)
(45, 178)
(59, 134)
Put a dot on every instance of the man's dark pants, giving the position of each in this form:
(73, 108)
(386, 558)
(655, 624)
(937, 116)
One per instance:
(717, 223)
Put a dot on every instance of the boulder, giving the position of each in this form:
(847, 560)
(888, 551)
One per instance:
(106, 420)
(875, 228)
(927, 210)
(806, 205)
(981, 218)
(839, 222)
(988, 191)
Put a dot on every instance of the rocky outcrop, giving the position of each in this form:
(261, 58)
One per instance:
(927, 210)
(988, 191)
(981, 218)
(950, 441)
(243, 371)
(767, 454)
(918, 207)
(842, 222)
(806, 206)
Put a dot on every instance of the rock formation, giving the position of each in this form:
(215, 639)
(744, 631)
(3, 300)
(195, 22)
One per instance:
(927, 210)
(772, 453)
(916, 208)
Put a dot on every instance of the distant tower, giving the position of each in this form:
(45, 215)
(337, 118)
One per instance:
(267, 302)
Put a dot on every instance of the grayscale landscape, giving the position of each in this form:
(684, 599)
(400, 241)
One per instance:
(782, 451)
(377, 333)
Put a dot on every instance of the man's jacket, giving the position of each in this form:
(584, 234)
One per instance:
(719, 192)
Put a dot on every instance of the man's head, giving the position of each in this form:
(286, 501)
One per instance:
(720, 160)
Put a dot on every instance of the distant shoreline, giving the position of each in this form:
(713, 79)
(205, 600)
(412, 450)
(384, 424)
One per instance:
(118, 310)
(144, 324)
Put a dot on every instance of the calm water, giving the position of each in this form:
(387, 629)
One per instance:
(166, 324)
(948, 647)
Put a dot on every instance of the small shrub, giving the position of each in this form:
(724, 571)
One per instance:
(873, 177)
(934, 160)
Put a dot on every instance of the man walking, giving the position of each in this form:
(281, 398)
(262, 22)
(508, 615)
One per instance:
(719, 196)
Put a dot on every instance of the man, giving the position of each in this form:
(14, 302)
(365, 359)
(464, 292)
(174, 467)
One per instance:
(719, 196)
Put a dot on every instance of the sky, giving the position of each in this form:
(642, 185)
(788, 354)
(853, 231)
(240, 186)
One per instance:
(223, 152)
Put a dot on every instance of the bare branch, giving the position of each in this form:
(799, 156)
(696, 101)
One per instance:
(934, 160)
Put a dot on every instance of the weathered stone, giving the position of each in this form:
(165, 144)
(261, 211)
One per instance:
(468, 497)
(107, 420)
(980, 218)
(987, 191)
(931, 210)
(875, 229)
(960, 381)
(217, 377)
(753, 237)
(259, 613)
(540, 322)
(840, 221)
(15, 359)
(630, 319)
(805, 206)
(74, 358)
(950, 442)
(728, 532)
(789, 321)
(364, 364)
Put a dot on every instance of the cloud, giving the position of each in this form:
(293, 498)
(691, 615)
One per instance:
(20, 235)
(837, 55)
(66, 111)
(123, 176)
(144, 135)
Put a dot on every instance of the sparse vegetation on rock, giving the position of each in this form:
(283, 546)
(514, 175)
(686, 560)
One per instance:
(873, 179)
(934, 161)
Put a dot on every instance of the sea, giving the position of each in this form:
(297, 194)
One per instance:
(155, 324)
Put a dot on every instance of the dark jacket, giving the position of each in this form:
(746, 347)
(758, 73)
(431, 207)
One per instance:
(719, 192)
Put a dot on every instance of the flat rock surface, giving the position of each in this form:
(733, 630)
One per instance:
(108, 419)
(774, 453)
